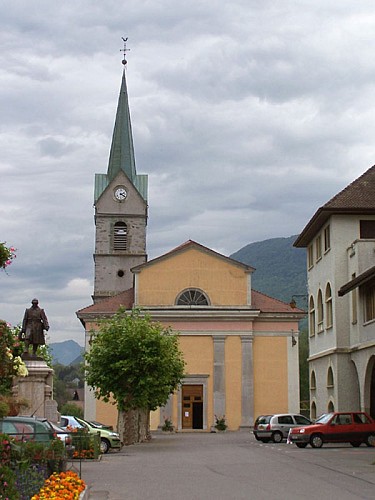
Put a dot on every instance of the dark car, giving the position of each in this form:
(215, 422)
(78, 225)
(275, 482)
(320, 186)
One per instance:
(337, 427)
(28, 428)
(276, 427)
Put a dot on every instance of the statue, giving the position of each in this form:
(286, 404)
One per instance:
(34, 323)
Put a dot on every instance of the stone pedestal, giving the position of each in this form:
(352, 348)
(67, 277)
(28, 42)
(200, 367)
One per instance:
(37, 389)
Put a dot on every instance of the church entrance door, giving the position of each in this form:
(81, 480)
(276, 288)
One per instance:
(192, 406)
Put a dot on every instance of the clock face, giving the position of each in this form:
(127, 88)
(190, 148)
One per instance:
(120, 193)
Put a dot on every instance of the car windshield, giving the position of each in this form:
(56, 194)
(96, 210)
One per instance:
(323, 419)
(265, 419)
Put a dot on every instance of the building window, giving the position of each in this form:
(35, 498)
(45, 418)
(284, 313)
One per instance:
(327, 239)
(318, 248)
(192, 297)
(310, 256)
(331, 407)
(328, 299)
(311, 317)
(312, 381)
(354, 303)
(369, 303)
(330, 382)
(313, 411)
(320, 312)
(120, 236)
(367, 229)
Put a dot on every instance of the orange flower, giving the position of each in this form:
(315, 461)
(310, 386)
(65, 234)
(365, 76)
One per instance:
(61, 486)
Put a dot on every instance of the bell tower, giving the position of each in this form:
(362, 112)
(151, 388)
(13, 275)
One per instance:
(120, 201)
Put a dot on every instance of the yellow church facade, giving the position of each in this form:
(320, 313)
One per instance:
(239, 345)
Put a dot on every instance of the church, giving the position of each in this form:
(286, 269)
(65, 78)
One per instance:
(240, 346)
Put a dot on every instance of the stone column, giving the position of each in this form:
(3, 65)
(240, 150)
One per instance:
(219, 376)
(247, 413)
(37, 389)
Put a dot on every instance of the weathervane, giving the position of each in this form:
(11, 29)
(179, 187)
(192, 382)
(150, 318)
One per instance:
(124, 50)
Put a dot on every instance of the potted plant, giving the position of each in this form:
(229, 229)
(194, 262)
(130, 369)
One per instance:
(168, 426)
(220, 423)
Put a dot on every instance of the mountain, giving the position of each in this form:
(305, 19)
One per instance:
(280, 268)
(65, 352)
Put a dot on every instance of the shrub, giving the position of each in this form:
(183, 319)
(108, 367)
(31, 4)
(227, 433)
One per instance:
(220, 423)
(71, 409)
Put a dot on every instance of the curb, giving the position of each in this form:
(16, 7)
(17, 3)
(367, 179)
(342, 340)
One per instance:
(84, 495)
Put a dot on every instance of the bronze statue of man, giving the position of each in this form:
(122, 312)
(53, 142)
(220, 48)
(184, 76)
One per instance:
(34, 323)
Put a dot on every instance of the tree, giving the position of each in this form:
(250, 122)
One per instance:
(138, 363)
(304, 371)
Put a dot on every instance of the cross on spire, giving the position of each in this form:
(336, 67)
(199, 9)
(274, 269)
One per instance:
(124, 50)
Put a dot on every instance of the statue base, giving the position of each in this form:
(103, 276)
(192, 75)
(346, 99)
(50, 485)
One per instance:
(37, 389)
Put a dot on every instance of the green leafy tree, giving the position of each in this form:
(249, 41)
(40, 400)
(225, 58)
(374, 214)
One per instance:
(138, 363)
(71, 409)
(304, 371)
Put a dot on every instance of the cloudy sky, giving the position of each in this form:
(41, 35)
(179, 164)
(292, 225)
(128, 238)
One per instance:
(247, 116)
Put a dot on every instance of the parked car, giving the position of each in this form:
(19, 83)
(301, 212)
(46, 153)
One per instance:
(337, 427)
(276, 427)
(99, 425)
(61, 434)
(108, 438)
(69, 421)
(28, 428)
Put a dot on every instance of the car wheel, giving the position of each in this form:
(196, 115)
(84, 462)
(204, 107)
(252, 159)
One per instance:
(355, 444)
(257, 437)
(104, 445)
(277, 437)
(301, 445)
(370, 441)
(316, 441)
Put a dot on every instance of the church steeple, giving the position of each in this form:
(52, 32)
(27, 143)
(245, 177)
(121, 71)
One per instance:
(121, 156)
(120, 210)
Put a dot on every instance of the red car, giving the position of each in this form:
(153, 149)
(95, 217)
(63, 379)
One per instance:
(339, 427)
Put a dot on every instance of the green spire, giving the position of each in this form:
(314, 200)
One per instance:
(121, 156)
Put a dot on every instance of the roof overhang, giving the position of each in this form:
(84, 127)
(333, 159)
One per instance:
(358, 281)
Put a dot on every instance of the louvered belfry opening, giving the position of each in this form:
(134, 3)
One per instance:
(120, 236)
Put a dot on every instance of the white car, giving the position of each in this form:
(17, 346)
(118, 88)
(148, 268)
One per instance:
(61, 434)
(70, 421)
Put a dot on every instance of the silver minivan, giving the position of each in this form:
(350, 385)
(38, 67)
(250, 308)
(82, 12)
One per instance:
(276, 427)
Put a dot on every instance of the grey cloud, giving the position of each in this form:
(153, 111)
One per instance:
(246, 115)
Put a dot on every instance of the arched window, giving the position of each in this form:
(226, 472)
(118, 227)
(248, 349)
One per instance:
(331, 407)
(330, 380)
(311, 317)
(192, 297)
(313, 411)
(328, 299)
(120, 236)
(312, 381)
(320, 312)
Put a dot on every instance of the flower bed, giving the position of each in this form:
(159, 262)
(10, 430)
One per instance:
(63, 486)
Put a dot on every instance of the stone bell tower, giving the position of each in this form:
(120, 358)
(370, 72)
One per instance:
(120, 202)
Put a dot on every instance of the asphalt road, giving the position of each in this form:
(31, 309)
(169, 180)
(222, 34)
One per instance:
(231, 465)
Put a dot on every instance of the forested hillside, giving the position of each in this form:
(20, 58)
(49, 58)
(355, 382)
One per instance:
(280, 268)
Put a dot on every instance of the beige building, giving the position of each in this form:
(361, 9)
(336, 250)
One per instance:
(340, 242)
(240, 346)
